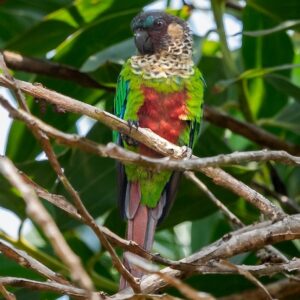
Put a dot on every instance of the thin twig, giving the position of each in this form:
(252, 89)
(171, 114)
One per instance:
(50, 286)
(269, 252)
(58, 200)
(281, 289)
(285, 201)
(6, 294)
(248, 276)
(221, 178)
(17, 91)
(234, 220)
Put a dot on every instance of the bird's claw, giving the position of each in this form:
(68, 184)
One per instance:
(133, 124)
(129, 140)
(187, 152)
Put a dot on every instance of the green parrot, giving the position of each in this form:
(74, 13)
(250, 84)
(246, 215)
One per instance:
(161, 89)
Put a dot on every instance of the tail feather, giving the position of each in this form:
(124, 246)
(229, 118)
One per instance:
(142, 222)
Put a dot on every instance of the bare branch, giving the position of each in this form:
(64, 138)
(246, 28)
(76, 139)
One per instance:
(119, 153)
(25, 260)
(183, 288)
(246, 239)
(290, 204)
(110, 120)
(20, 62)
(39, 214)
(250, 131)
(234, 220)
(282, 289)
(226, 180)
(48, 286)
(74, 291)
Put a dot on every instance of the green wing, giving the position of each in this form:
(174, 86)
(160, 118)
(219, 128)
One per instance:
(195, 88)
(120, 102)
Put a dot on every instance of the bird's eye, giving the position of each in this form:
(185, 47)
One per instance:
(159, 23)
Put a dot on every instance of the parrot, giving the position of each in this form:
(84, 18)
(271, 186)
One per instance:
(161, 89)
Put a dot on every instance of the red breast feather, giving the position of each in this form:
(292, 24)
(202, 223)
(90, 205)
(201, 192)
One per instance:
(163, 114)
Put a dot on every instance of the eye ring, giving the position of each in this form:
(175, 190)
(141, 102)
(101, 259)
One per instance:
(159, 23)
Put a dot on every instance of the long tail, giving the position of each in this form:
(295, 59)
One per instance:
(142, 222)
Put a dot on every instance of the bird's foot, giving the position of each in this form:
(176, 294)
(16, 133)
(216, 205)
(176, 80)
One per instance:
(187, 152)
(133, 124)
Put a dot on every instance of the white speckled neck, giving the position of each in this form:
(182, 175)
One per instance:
(175, 61)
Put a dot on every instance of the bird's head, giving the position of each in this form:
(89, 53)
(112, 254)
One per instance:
(156, 31)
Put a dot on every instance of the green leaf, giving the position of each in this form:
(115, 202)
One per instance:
(18, 16)
(36, 170)
(115, 53)
(10, 198)
(93, 38)
(289, 118)
(41, 38)
(258, 61)
(277, 9)
(284, 85)
(12, 268)
(201, 237)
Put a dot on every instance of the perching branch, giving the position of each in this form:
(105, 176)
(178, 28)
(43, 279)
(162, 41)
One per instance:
(250, 131)
(156, 143)
(125, 156)
(20, 62)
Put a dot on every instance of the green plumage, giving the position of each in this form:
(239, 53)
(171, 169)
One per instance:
(130, 98)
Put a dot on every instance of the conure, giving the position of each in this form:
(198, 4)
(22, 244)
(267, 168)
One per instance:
(160, 88)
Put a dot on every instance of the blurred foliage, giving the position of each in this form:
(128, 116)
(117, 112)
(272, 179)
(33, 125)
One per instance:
(94, 36)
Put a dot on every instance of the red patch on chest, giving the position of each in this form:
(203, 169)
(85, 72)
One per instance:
(162, 113)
